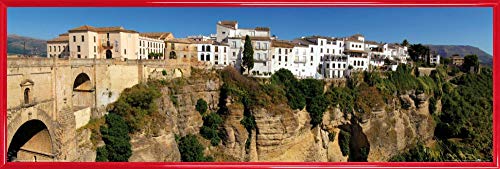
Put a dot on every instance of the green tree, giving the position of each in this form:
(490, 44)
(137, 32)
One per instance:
(316, 108)
(248, 62)
(405, 43)
(115, 136)
(418, 51)
(470, 61)
(201, 106)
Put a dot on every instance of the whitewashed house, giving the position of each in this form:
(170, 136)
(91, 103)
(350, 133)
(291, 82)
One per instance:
(334, 66)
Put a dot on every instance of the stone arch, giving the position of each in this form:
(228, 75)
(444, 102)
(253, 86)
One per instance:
(32, 141)
(82, 91)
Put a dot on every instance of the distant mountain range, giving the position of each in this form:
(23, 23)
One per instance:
(463, 50)
(16, 45)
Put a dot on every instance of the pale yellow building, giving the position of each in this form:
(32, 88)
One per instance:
(181, 49)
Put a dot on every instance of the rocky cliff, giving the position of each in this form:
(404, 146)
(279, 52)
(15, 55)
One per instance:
(280, 134)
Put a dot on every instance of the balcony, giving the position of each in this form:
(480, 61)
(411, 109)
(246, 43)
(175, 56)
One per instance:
(107, 44)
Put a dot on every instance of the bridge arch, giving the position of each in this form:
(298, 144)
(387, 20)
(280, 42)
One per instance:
(82, 91)
(32, 141)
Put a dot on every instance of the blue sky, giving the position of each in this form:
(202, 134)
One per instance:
(453, 26)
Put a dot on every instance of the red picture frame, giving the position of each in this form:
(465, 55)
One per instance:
(4, 4)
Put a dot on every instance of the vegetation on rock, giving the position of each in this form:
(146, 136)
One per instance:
(201, 106)
(191, 150)
(115, 136)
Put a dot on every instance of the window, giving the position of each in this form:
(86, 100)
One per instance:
(286, 58)
(327, 66)
(79, 56)
(234, 44)
(208, 57)
(95, 48)
(311, 58)
(279, 50)
(59, 48)
(78, 48)
(202, 58)
(224, 49)
(208, 48)
(321, 50)
(327, 50)
(216, 48)
(107, 35)
(273, 56)
(202, 48)
(321, 43)
(95, 40)
(74, 38)
(333, 65)
(258, 56)
(83, 38)
(223, 32)
(234, 54)
(50, 48)
(279, 58)
(125, 51)
(312, 50)
(286, 51)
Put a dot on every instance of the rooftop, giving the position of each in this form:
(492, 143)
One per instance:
(157, 35)
(228, 24)
(282, 44)
(101, 29)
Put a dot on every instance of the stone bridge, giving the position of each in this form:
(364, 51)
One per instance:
(48, 99)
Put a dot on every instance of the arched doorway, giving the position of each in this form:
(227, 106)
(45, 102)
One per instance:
(27, 96)
(82, 91)
(31, 143)
(109, 54)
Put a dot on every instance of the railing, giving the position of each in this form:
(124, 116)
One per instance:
(107, 44)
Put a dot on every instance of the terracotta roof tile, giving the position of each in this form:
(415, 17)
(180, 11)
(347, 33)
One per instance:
(282, 44)
(156, 35)
(63, 38)
(101, 29)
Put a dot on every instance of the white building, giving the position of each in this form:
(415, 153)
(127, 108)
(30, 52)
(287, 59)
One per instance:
(153, 42)
(358, 57)
(282, 55)
(318, 47)
(58, 47)
(211, 52)
(334, 66)
(229, 32)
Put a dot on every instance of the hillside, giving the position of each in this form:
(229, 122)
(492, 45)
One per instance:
(462, 50)
(15, 45)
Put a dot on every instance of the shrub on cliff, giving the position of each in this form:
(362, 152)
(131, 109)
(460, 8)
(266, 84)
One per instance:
(210, 128)
(201, 106)
(134, 104)
(316, 108)
(115, 136)
(191, 150)
(344, 140)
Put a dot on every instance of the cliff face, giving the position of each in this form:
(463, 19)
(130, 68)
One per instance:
(281, 134)
(176, 117)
